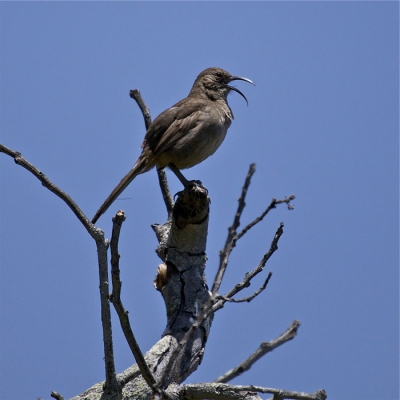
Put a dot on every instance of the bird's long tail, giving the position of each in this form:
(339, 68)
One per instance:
(138, 168)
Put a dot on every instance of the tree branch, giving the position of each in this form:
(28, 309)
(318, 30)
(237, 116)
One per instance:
(233, 236)
(223, 391)
(111, 385)
(250, 275)
(137, 96)
(225, 252)
(162, 177)
(18, 159)
(102, 246)
(264, 348)
(168, 199)
(249, 298)
(115, 298)
(56, 395)
(273, 204)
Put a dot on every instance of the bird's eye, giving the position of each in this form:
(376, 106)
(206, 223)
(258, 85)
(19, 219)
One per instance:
(218, 74)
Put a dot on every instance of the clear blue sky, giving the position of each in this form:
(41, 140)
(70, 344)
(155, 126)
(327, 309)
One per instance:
(322, 123)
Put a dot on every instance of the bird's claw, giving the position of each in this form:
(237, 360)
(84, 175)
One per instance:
(177, 194)
(191, 185)
(195, 183)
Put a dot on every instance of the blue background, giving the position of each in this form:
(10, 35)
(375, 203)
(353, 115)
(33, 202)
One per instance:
(322, 123)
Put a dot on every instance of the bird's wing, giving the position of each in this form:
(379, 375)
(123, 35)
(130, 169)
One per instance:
(172, 124)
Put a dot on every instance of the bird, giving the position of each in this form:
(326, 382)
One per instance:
(187, 133)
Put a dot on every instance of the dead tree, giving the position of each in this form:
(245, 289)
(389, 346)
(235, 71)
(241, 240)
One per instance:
(189, 303)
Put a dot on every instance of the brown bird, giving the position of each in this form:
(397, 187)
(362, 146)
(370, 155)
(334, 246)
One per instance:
(187, 133)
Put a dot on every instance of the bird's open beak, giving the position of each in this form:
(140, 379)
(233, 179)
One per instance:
(239, 78)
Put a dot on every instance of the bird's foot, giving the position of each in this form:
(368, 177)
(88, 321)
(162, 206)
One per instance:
(191, 185)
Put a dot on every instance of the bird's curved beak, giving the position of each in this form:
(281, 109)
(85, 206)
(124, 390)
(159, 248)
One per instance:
(239, 78)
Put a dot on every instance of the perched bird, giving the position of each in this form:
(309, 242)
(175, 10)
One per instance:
(187, 133)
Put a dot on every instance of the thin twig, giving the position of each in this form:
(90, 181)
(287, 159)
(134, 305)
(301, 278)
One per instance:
(162, 177)
(264, 348)
(242, 204)
(250, 275)
(115, 298)
(47, 183)
(137, 96)
(249, 298)
(273, 204)
(111, 384)
(168, 199)
(226, 251)
(56, 395)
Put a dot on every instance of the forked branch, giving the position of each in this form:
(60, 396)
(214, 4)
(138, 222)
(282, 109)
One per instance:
(111, 385)
(260, 267)
(225, 252)
(233, 236)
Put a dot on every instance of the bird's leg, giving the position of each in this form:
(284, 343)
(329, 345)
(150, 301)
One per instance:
(180, 176)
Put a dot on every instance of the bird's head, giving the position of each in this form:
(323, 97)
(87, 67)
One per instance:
(213, 83)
